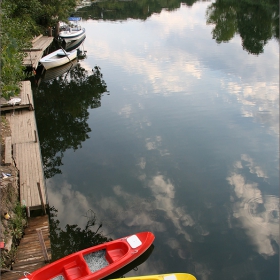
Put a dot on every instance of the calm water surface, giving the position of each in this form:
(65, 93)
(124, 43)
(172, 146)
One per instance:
(183, 142)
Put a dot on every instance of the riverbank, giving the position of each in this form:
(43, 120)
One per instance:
(13, 219)
(22, 188)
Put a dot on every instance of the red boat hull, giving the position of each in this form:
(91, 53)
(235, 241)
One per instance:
(96, 262)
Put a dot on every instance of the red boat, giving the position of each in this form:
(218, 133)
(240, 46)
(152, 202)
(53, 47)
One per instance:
(96, 262)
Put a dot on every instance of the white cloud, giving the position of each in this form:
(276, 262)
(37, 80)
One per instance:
(72, 205)
(202, 271)
(164, 193)
(177, 20)
(126, 111)
(142, 163)
(254, 84)
(254, 169)
(155, 144)
(259, 100)
(258, 213)
(164, 71)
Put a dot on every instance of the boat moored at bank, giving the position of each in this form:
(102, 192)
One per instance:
(96, 262)
(72, 31)
(58, 58)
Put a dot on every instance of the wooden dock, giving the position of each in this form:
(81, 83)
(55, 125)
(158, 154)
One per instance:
(33, 55)
(22, 149)
(26, 99)
(34, 250)
(26, 153)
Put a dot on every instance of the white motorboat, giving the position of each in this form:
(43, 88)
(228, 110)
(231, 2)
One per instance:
(58, 58)
(73, 31)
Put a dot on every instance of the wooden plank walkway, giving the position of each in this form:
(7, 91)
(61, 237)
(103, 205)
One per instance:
(26, 99)
(26, 154)
(30, 255)
(34, 54)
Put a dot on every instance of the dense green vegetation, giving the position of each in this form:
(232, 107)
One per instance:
(22, 20)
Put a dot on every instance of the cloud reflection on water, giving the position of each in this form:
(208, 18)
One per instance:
(179, 65)
(258, 100)
(257, 212)
(71, 205)
(164, 193)
(123, 207)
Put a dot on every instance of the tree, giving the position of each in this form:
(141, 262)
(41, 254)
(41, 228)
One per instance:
(55, 11)
(20, 21)
(15, 36)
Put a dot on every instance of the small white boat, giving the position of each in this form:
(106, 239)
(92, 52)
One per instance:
(73, 31)
(58, 58)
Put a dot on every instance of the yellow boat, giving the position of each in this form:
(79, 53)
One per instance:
(171, 276)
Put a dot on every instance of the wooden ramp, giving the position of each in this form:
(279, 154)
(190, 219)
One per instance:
(34, 54)
(34, 250)
(26, 155)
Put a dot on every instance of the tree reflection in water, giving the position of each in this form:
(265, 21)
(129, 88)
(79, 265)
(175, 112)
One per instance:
(256, 22)
(62, 112)
(74, 238)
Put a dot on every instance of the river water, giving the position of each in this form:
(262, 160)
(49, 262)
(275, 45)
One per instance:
(178, 135)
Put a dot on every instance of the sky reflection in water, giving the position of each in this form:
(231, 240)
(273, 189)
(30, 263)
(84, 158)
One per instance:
(185, 145)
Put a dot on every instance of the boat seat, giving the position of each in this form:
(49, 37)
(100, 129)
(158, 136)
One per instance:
(115, 252)
(75, 269)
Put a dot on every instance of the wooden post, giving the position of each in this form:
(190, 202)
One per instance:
(28, 211)
(50, 32)
(43, 245)
(35, 136)
(30, 105)
(56, 30)
(8, 151)
(41, 198)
